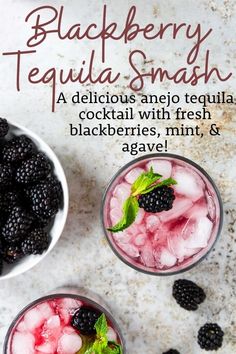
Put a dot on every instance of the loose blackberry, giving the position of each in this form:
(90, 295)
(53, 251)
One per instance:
(6, 175)
(17, 149)
(210, 336)
(188, 294)
(36, 243)
(45, 198)
(16, 226)
(84, 320)
(12, 253)
(159, 199)
(33, 169)
(4, 127)
(172, 351)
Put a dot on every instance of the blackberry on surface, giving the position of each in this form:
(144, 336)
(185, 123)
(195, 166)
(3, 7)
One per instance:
(188, 294)
(210, 336)
(84, 320)
(36, 243)
(12, 253)
(6, 175)
(159, 199)
(16, 226)
(4, 127)
(45, 198)
(17, 149)
(33, 169)
(172, 351)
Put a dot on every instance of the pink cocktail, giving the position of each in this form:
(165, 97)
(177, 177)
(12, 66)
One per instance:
(48, 326)
(171, 241)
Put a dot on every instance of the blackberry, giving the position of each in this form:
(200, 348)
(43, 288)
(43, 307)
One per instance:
(6, 175)
(12, 253)
(4, 127)
(16, 226)
(210, 336)
(188, 294)
(17, 149)
(172, 351)
(45, 198)
(33, 170)
(84, 320)
(10, 200)
(159, 199)
(36, 243)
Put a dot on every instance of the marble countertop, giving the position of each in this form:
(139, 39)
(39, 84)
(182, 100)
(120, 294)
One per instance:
(151, 321)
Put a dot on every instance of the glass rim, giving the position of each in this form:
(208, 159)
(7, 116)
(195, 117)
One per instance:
(85, 299)
(178, 157)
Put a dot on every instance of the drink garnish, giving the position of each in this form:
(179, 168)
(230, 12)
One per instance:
(145, 183)
(100, 343)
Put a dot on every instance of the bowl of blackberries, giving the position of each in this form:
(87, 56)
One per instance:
(33, 199)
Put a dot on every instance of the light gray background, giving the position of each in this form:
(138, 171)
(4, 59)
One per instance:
(151, 321)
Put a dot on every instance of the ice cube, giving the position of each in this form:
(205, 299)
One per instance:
(180, 206)
(147, 256)
(191, 251)
(115, 215)
(152, 223)
(69, 344)
(200, 238)
(140, 239)
(187, 183)
(188, 228)
(45, 310)
(133, 229)
(70, 304)
(167, 259)
(140, 216)
(123, 237)
(133, 174)
(111, 334)
(198, 209)
(47, 347)
(129, 249)
(53, 322)
(211, 207)
(160, 237)
(51, 328)
(23, 343)
(163, 167)
(122, 192)
(68, 330)
(114, 203)
(33, 319)
(176, 246)
(22, 327)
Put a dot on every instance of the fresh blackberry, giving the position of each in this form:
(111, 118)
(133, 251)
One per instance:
(40, 223)
(6, 175)
(210, 336)
(16, 226)
(12, 253)
(172, 351)
(188, 294)
(10, 200)
(45, 198)
(33, 169)
(84, 320)
(4, 127)
(17, 149)
(159, 199)
(36, 243)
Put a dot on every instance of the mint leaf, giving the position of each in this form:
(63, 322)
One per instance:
(145, 180)
(167, 182)
(113, 348)
(130, 211)
(101, 326)
(87, 343)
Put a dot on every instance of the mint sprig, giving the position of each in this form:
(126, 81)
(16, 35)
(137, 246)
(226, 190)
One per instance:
(145, 183)
(100, 344)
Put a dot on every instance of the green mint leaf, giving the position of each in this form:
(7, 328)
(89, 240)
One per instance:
(101, 326)
(113, 348)
(145, 180)
(130, 211)
(87, 343)
(167, 182)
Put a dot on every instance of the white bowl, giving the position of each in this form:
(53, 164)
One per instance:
(28, 262)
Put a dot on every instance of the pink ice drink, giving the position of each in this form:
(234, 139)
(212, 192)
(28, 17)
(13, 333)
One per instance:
(62, 324)
(165, 241)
